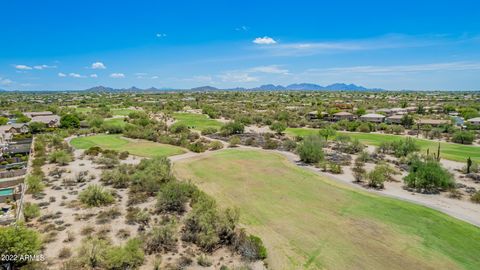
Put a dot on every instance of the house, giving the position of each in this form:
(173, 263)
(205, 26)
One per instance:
(314, 115)
(342, 116)
(433, 122)
(35, 114)
(394, 119)
(7, 131)
(474, 121)
(49, 120)
(385, 111)
(373, 117)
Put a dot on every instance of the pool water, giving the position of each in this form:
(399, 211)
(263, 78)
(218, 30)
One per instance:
(6, 191)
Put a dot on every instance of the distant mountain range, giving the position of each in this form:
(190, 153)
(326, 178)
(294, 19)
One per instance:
(266, 87)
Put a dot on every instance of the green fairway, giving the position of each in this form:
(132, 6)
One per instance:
(116, 121)
(83, 109)
(196, 121)
(115, 142)
(451, 151)
(310, 222)
(122, 111)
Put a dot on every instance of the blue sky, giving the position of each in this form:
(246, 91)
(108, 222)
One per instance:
(57, 45)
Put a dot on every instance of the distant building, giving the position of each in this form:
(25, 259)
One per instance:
(394, 119)
(342, 116)
(35, 114)
(373, 117)
(474, 121)
(433, 122)
(49, 120)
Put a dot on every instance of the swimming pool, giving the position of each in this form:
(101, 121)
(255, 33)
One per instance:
(6, 191)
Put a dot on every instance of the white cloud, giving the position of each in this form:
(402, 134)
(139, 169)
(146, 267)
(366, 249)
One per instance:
(242, 28)
(272, 69)
(238, 77)
(60, 74)
(264, 40)
(154, 77)
(41, 67)
(160, 35)
(75, 75)
(23, 67)
(5, 81)
(446, 66)
(98, 65)
(117, 75)
(93, 76)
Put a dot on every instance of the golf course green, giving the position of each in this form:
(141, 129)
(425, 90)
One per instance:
(450, 151)
(196, 121)
(309, 222)
(140, 148)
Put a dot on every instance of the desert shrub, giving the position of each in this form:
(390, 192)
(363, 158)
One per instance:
(310, 149)
(93, 151)
(149, 176)
(178, 128)
(250, 247)
(123, 155)
(278, 127)
(108, 215)
(203, 260)
(358, 170)
(428, 176)
(128, 256)
(215, 145)
(206, 226)
(400, 148)
(231, 128)
(118, 177)
(92, 254)
(379, 174)
(209, 130)
(34, 184)
(289, 145)
(197, 147)
(234, 141)
(463, 137)
(61, 157)
(173, 196)
(65, 253)
(160, 238)
(95, 195)
(17, 239)
(31, 211)
(270, 144)
(108, 160)
(475, 197)
(335, 168)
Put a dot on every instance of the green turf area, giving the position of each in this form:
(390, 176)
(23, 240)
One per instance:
(310, 222)
(122, 111)
(83, 109)
(116, 122)
(115, 142)
(196, 121)
(451, 151)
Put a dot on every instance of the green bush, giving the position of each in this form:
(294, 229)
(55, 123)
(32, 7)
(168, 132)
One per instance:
(310, 149)
(31, 211)
(61, 157)
(34, 184)
(19, 240)
(209, 130)
(173, 196)
(215, 145)
(231, 128)
(129, 256)
(475, 197)
(160, 239)
(463, 137)
(428, 176)
(95, 195)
